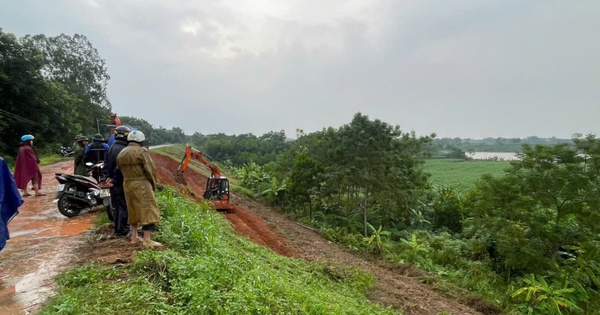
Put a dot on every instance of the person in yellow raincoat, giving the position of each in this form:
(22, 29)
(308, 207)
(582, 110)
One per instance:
(139, 182)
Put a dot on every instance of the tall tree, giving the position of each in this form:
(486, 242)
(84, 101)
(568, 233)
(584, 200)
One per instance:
(305, 179)
(369, 166)
(30, 102)
(547, 200)
(20, 81)
(73, 62)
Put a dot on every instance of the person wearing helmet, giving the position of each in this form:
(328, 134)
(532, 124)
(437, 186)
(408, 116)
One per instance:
(27, 168)
(113, 134)
(139, 184)
(78, 160)
(117, 195)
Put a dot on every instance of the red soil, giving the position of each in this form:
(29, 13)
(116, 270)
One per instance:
(243, 222)
(399, 288)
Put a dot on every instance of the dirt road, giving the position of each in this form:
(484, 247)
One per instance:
(42, 244)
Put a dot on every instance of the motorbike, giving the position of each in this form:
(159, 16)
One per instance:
(66, 151)
(75, 193)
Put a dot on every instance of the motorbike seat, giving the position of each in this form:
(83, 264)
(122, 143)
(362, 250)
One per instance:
(88, 178)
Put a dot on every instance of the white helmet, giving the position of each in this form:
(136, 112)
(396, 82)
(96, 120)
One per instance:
(136, 136)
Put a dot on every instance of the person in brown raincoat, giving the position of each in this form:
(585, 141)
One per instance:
(27, 168)
(139, 182)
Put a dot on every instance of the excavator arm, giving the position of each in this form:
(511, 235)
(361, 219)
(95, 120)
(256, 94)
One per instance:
(197, 155)
(217, 186)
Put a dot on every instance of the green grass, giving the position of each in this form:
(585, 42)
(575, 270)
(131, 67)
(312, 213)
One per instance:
(208, 269)
(174, 150)
(462, 174)
(53, 158)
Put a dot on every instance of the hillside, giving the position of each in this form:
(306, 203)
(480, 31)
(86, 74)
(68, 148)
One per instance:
(400, 287)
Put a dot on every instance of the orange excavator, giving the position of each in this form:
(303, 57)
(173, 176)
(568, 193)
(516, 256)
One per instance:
(217, 186)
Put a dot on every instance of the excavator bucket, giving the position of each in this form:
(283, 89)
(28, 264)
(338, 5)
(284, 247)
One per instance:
(185, 160)
(180, 179)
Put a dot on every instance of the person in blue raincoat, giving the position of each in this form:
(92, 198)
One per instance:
(95, 151)
(10, 201)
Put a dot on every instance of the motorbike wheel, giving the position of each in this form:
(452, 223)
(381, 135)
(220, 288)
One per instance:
(66, 207)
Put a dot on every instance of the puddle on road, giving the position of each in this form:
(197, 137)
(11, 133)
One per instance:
(16, 236)
(41, 245)
(37, 285)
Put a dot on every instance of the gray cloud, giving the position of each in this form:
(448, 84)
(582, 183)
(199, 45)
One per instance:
(458, 68)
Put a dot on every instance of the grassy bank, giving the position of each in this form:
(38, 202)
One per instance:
(208, 269)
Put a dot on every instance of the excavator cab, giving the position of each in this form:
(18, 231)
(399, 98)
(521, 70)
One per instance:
(217, 186)
(217, 189)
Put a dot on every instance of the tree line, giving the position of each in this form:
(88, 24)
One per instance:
(527, 240)
(457, 147)
(55, 88)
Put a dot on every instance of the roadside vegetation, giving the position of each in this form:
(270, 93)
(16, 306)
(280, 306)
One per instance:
(522, 234)
(208, 269)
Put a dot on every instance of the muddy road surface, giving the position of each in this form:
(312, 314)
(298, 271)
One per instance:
(41, 246)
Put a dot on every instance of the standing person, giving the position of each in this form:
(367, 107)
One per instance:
(27, 168)
(114, 120)
(76, 142)
(117, 194)
(139, 176)
(79, 161)
(95, 152)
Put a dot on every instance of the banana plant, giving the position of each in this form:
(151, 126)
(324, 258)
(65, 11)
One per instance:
(275, 190)
(251, 174)
(542, 297)
(376, 240)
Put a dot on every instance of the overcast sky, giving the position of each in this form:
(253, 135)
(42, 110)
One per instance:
(469, 69)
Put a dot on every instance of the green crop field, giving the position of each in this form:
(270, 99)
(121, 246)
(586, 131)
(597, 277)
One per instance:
(461, 174)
